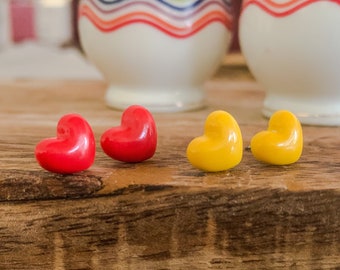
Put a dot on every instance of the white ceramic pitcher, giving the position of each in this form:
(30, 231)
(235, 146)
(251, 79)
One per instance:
(292, 48)
(155, 53)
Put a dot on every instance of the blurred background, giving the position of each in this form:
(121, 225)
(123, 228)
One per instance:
(33, 31)
(45, 21)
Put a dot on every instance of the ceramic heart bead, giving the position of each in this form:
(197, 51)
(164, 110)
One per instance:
(135, 140)
(282, 142)
(73, 150)
(220, 147)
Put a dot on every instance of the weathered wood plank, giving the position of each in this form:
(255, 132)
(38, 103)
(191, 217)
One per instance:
(142, 228)
(162, 213)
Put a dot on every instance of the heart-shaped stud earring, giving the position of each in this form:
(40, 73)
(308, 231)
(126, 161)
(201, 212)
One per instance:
(221, 146)
(135, 140)
(73, 150)
(282, 142)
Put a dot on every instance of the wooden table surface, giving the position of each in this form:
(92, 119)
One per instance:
(162, 213)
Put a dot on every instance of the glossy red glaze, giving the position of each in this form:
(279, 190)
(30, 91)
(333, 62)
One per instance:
(135, 140)
(73, 150)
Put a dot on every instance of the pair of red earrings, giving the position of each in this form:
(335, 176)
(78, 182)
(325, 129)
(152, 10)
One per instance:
(74, 148)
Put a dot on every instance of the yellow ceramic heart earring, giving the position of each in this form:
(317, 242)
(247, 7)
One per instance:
(220, 147)
(281, 143)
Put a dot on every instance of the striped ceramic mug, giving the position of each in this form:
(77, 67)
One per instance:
(156, 53)
(292, 49)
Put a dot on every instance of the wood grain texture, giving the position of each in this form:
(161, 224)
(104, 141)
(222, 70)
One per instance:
(162, 213)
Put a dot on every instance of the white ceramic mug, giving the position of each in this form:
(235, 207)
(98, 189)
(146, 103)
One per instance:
(155, 53)
(292, 47)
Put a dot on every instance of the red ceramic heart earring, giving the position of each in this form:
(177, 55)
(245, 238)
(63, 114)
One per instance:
(73, 150)
(135, 140)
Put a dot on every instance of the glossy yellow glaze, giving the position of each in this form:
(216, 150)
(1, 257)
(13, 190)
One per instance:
(282, 142)
(220, 147)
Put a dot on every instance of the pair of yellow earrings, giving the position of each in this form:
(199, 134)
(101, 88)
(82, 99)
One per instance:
(221, 146)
